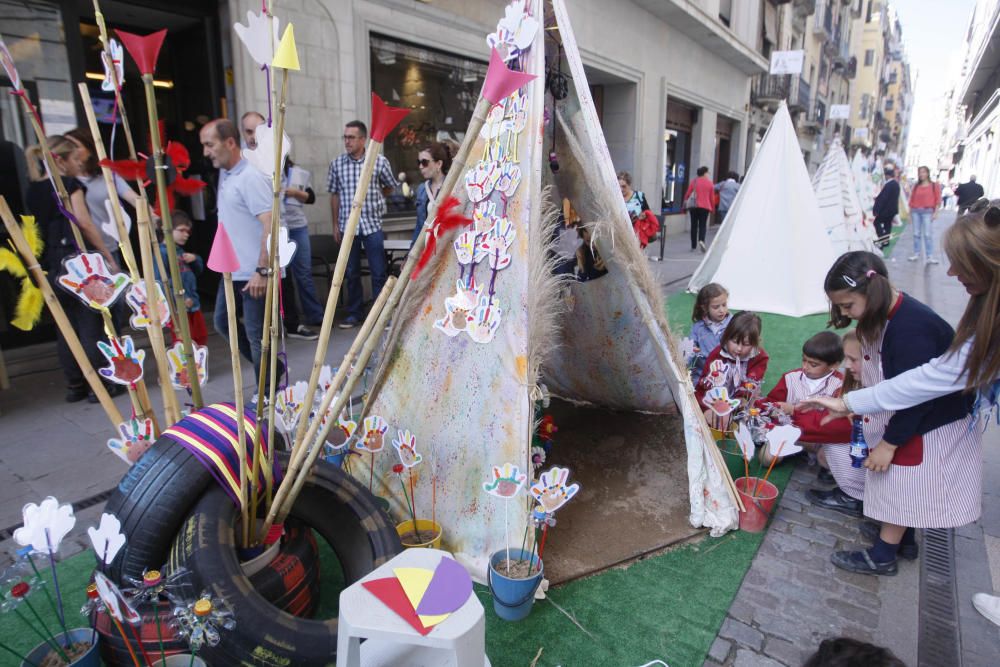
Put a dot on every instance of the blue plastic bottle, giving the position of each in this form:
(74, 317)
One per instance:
(859, 448)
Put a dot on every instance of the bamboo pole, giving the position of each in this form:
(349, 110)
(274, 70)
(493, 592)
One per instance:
(153, 329)
(59, 315)
(234, 357)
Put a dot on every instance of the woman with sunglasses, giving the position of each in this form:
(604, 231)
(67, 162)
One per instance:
(972, 363)
(434, 162)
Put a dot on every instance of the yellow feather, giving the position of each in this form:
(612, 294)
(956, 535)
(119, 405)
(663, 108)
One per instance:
(29, 306)
(31, 233)
(12, 263)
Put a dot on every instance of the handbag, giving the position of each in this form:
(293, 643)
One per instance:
(692, 200)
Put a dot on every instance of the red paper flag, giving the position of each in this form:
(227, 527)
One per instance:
(392, 595)
(144, 50)
(501, 81)
(385, 118)
(446, 218)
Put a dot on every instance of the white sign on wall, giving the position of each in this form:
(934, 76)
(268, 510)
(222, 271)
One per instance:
(839, 111)
(861, 133)
(787, 62)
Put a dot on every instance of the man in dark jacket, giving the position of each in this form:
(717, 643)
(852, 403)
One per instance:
(886, 207)
(967, 194)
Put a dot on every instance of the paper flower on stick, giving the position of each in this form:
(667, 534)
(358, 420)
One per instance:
(178, 369)
(745, 441)
(137, 300)
(783, 440)
(717, 400)
(262, 157)
(259, 35)
(384, 118)
(405, 445)
(113, 63)
(505, 481)
(515, 31)
(125, 359)
(9, 67)
(30, 302)
(374, 436)
(107, 539)
(199, 622)
(137, 438)
(551, 490)
(286, 247)
(547, 428)
(45, 525)
(87, 277)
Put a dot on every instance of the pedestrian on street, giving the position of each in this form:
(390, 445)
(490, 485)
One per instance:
(727, 190)
(698, 200)
(296, 193)
(245, 210)
(972, 363)
(925, 202)
(342, 182)
(191, 266)
(968, 194)
(434, 161)
(924, 467)
(886, 207)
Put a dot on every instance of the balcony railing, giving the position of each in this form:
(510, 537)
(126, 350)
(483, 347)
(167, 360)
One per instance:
(770, 88)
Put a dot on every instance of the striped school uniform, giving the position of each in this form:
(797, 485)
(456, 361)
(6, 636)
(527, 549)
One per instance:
(935, 478)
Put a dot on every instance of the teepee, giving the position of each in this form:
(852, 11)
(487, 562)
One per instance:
(773, 251)
(863, 182)
(837, 196)
(488, 328)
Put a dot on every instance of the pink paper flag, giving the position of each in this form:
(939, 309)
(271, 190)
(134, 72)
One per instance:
(143, 49)
(385, 118)
(450, 587)
(222, 258)
(501, 81)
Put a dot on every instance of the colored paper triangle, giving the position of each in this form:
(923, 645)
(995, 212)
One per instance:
(415, 581)
(222, 258)
(385, 118)
(501, 81)
(390, 592)
(286, 56)
(143, 49)
(447, 591)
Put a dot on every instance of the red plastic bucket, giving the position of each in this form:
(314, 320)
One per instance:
(758, 497)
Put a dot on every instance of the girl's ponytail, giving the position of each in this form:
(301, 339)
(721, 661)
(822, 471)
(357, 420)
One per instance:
(861, 273)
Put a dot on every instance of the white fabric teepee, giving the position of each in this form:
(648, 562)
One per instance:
(837, 196)
(863, 182)
(773, 251)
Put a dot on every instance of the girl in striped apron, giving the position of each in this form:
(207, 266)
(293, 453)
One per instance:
(924, 468)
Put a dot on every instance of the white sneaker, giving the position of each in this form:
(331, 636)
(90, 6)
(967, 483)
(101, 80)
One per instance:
(933, 260)
(913, 258)
(988, 606)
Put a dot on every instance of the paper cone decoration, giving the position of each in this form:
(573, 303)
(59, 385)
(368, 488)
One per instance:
(222, 258)
(287, 56)
(501, 81)
(384, 118)
(144, 50)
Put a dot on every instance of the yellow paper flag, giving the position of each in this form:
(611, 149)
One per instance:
(287, 56)
(415, 581)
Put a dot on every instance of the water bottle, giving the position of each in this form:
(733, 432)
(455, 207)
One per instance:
(859, 448)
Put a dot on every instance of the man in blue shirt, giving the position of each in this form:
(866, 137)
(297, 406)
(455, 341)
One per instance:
(342, 182)
(244, 202)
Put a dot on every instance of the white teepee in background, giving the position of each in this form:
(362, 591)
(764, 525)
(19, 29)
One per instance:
(773, 251)
(837, 196)
(863, 182)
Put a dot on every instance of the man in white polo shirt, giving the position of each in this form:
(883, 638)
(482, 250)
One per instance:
(244, 202)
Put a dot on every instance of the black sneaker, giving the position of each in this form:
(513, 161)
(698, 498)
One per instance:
(349, 323)
(76, 394)
(303, 333)
(861, 562)
(870, 531)
(835, 500)
(824, 476)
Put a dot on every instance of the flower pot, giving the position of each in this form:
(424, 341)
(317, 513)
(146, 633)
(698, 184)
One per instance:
(423, 525)
(512, 598)
(758, 497)
(90, 658)
(180, 660)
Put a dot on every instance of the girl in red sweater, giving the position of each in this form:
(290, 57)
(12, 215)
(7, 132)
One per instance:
(741, 353)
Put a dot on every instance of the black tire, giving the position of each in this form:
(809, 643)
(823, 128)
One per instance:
(151, 501)
(340, 510)
(112, 646)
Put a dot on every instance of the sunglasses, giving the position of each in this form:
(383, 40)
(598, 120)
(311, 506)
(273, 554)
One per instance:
(423, 163)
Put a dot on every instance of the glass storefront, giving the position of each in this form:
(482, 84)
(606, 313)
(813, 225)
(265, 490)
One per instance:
(441, 91)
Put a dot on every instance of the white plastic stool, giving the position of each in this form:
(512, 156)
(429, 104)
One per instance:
(458, 641)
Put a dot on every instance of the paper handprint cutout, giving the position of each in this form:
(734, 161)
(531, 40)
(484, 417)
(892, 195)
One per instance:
(405, 445)
(783, 440)
(88, 278)
(551, 491)
(137, 437)
(745, 441)
(124, 359)
(374, 436)
(505, 481)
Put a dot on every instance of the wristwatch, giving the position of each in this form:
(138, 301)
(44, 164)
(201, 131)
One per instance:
(265, 271)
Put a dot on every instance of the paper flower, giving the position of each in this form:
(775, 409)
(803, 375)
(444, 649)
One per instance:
(459, 309)
(288, 407)
(745, 440)
(551, 491)
(262, 157)
(286, 247)
(537, 457)
(547, 428)
(260, 36)
(126, 362)
(153, 584)
(114, 601)
(45, 525)
(137, 300)
(481, 180)
(110, 227)
(515, 31)
(178, 368)
(199, 622)
(783, 440)
(107, 539)
(137, 438)
(374, 437)
(505, 481)
(87, 277)
(405, 444)
(115, 62)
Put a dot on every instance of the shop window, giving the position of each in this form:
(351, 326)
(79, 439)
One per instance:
(440, 89)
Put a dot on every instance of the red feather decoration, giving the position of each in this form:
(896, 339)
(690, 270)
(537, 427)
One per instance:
(187, 186)
(130, 170)
(448, 217)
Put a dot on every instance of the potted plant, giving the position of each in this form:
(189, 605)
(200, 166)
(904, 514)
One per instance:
(414, 532)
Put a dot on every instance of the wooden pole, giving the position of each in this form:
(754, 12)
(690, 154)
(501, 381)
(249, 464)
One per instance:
(59, 315)
(234, 357)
